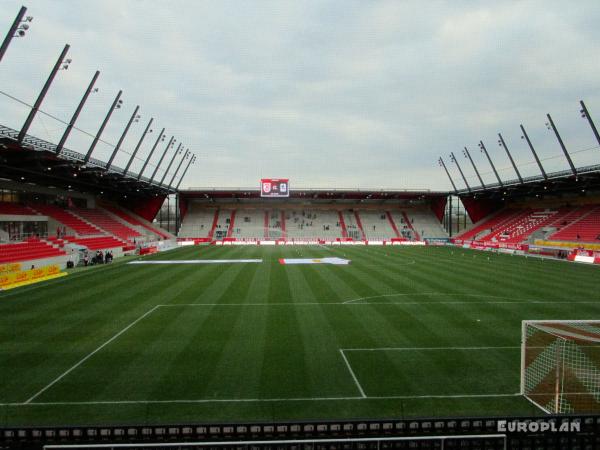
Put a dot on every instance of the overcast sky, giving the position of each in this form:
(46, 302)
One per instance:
(361, 94)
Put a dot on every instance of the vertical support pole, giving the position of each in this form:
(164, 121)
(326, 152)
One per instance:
(169, 213)
(458, 215)
(523, 350)
(176, 213)
(450, 217)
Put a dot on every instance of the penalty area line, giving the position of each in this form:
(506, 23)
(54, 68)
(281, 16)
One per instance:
(88, 356)
(360, 389)
(410, 349)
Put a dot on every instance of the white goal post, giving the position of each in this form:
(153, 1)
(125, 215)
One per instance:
(560, 365)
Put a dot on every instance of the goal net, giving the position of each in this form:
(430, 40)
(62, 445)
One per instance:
(560, 365)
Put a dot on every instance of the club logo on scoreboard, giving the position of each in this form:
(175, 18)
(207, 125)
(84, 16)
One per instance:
(274, 187)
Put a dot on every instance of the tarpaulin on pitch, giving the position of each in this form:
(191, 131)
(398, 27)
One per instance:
(196, 261)
(333, 260)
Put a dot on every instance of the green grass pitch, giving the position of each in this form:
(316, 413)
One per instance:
(400, 332)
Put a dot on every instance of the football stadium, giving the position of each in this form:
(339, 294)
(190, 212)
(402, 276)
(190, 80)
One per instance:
(138, 310)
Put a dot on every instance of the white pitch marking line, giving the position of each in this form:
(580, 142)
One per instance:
(409, 263)
(280, 443)
(196, 261)
(410, 349)
(362, 393)
(89, 355)
(260, 400)
(526, 302)
(405, 294)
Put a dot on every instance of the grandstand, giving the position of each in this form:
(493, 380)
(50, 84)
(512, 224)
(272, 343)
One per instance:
(571, 224)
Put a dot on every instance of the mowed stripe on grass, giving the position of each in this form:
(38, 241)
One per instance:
(267, 331)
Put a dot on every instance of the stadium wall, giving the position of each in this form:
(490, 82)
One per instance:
(479, 208)
(146, 208)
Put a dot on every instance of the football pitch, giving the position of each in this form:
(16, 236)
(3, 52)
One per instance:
(398, 332)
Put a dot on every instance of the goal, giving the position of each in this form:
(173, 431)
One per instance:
(560, 365)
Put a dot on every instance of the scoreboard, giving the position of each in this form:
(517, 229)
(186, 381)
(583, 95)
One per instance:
(275, 187)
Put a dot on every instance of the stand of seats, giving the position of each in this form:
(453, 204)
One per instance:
(28, 250)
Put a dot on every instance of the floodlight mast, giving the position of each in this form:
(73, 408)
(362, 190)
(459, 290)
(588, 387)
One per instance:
(134, 116)
(442, 164)
(177, 152)
(16, 29)
(512, 161)
(535, 155)
(192, 160)
(550, 125)
(468, 155)
(484, 150)
(61, 63)
(160, 138)
(71, 124)
(185, 156)
(453, 159)
(169, 145)
(139, 144)
(116, 104)
(586, 114)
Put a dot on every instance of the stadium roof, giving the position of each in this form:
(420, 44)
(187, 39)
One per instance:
(585, 180)
(320, 194)
(35, 161)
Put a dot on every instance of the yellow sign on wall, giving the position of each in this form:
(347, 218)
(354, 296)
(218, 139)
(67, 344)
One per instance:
(11, 280)
(9, 268)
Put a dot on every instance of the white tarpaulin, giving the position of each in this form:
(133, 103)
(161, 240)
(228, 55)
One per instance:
(198, 261)
(334, 260)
